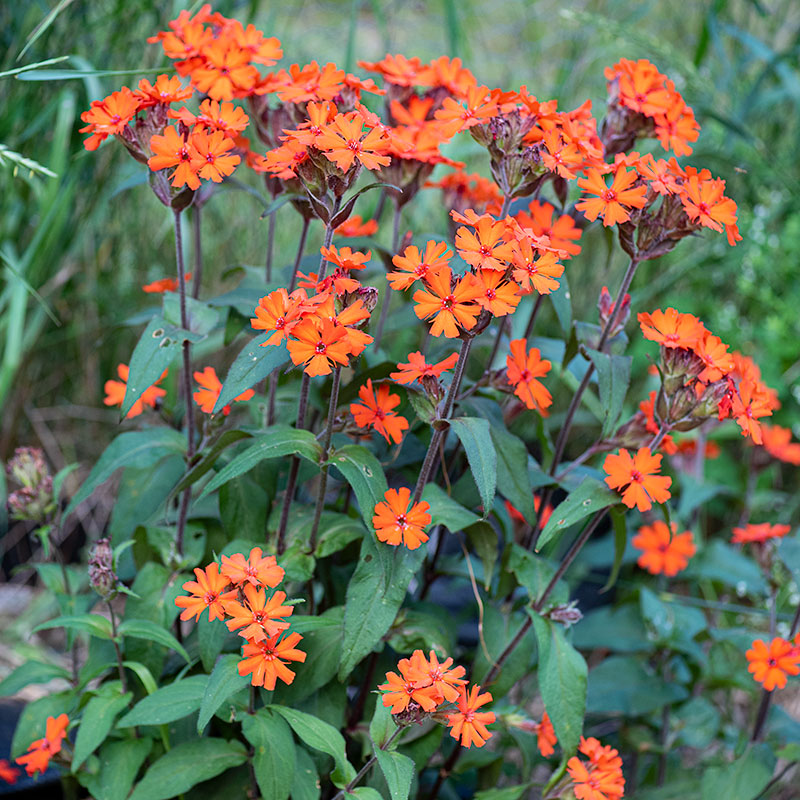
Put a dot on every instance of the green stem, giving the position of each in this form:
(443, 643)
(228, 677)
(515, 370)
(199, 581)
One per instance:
(326, 446)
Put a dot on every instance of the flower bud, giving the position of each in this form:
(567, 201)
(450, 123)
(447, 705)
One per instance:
(567, 614)
(34, 501)
(605, 308)
(101, 569)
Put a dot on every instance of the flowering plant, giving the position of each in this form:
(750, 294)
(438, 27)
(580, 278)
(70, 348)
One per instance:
(393, 446)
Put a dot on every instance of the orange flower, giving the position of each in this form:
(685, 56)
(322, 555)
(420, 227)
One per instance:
(8, 773)
(545, 736)
(670, 328)
(207, 592)
(469, 724)
(444, 681)
(662, 553)
(164, 285)
(523, 369)
(284, 160)
(355, 226)
(563, 233)
(762, 532)
(206, 397)
(748, 405)
(401, 690)
(487, 247)
(395, 522)
(214, 116)
(412, 266)
(226, 71)
(212, 150)
(266, 661)
(279, 312)
(261, 618)
(255, 570)
(778, 443)
(770, 664)
(705, 204)
(345, 258)
(262, 50)
(714, 354)
(377, 412)
(417, 368)
(115, 392)
(318, 346)
(166, 90)
(108, 116)
(532, 273)
(599, 778)
(497, 296)
(612, 202)
(172, 150)
(342, 144)
(451, 303)
(480, 108)
(638, 474)
(42, 750)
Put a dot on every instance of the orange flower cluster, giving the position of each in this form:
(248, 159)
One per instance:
(41, 751)
(760, 533)
(599, 778)
(210, 387)
(395, 523)
(523, 369)
(239, 591)
(115, 392)
(702, 379)
(322, 330)
(664, 550)
(657, 109)
(377, 412)
(424, 687)
(218, 54)
(772, 663)
(637, 478)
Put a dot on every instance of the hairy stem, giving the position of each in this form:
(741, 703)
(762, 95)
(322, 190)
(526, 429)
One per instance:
(198, 252)
(270, 247)
(430, 456)
(120, 668)
(187, 382)
(387, 296)
(326, 446)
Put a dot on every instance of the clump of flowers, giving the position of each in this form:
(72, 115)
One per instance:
(600, 777)
(239, 593)
(426, 688)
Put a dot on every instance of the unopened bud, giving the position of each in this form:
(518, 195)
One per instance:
(34, 501)
(567, 614)
(605, 308)
(101, 569)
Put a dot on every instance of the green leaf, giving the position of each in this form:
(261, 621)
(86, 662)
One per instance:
(590, 496)
(120, 761)
(201, 319)
(279, 441)
(483, 538)
(533, 573)
(374, 596)
(509, 793)
(446, 511)
(305, 783)
(186, 765)
(223, 682)
(130, 449)
(697, 722)
(474, 435)
(512, 471)
(96, 722)
(562, 682)
(789, 553)
(31, 672)
(144, 675)
(211, 638)
(93, 624)
(620, 543)
(338, 530)
(382, 725)
(168, 703)
(562, 303)
(253, 364)
(622, 685)
(398, 771)
(206, 463)
(243, 506)
(365, 474)
(321, 736)
(613, 378)
(145, 629)
(158, 347)
(743, 779)
(274, 756)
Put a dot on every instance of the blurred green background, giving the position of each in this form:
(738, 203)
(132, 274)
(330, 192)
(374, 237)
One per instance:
(76, 248)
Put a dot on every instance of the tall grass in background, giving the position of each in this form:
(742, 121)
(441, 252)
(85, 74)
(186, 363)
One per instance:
(76, 245)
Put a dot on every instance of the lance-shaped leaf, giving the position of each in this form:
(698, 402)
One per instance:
(253, 364)
(589, 497)
(473, 432)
